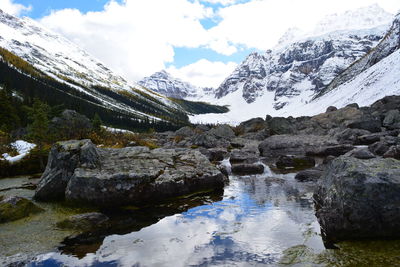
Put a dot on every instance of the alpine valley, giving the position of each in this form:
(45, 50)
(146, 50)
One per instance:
(307, 72)
(59, 72)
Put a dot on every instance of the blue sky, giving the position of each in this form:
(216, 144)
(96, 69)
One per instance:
(200, 41)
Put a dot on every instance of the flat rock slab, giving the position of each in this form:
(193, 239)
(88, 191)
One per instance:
(359, 199)
(116, 177)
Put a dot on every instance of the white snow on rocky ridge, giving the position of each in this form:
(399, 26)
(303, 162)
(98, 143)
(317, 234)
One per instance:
(265, 84)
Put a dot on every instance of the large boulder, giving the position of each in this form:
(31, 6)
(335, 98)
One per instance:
(251, 126)
(370, 124)
(222, 131)
(116, 177)
(359, 199)
(64, 158)
(71, 124)
(292, 144)
(15, 208)
(325, 151)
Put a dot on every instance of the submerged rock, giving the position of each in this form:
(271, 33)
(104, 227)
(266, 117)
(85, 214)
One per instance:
(247, 169)
(296, 162)
(15, 208)
(80, 172)
(359, 199)
(85, 222)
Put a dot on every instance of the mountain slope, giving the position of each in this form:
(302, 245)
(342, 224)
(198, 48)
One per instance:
(285, 80)
(61, 66)
(308, 62)
(389, 44)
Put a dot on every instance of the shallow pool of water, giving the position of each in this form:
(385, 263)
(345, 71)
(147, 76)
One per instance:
(265, 220)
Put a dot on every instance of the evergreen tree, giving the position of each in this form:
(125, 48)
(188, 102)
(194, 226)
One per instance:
(9, 119)
(96, 122)
(39, 127)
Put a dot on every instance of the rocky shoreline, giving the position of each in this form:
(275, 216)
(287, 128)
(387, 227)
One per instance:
(350, 154)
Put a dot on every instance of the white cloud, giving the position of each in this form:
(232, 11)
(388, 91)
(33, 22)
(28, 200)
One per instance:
(204, 73)
(260, 23)
(135, 38)
(12, 8)
(222, 2)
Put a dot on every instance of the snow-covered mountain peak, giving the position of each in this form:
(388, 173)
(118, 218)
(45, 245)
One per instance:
(363, 18)
(162, 82)
(289, 36)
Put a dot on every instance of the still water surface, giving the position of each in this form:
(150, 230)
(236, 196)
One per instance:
(265, 220)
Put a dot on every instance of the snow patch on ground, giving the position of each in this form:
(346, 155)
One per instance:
(23, 148)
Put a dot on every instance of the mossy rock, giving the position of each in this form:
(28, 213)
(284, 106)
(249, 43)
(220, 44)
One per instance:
(15, 208)
(85, 222)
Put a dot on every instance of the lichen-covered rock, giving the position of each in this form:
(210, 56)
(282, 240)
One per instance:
(85, 222)
(359, 199)
(115, 177)
(15, 208)
(64, 158)
(222, 131)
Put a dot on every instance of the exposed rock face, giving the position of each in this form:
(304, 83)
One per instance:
(15, 208)
(313, 174)
(162, 82)
(359, 199)
(80, 172)
(307, 63)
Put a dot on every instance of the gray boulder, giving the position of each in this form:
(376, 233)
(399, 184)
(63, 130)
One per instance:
(64, 158)
(392, 117)
(361, 153)
(359, 199)
(71, 124)
(185, 132)
(292, 144)
(251, 126)
(222, 131)
(372, 125)
(336, 150)
(313, 175)
(116, 177)
(393, 152)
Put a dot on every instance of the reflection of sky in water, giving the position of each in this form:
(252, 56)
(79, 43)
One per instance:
(252, 225)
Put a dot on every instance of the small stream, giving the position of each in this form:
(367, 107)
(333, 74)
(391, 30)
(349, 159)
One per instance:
(265, 220)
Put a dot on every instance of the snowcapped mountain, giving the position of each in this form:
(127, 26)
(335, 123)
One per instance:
(301, 66)
(78, 78)
(162, 82)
